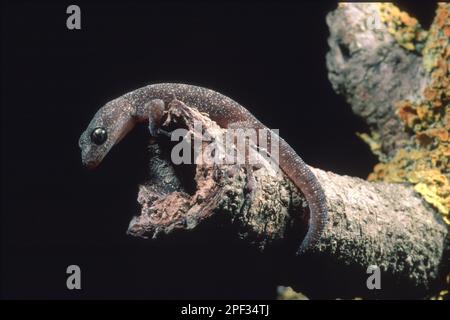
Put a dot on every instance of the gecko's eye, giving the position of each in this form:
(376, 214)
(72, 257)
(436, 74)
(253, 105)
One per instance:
(99, 136)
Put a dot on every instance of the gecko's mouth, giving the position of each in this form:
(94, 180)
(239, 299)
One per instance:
(90, 165)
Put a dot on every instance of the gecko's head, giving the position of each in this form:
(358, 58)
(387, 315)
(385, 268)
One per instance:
(109, 125)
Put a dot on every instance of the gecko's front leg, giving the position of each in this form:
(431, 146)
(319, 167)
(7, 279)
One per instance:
(153, 111)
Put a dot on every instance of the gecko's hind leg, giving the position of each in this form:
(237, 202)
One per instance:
(251, 136)
(161, 132)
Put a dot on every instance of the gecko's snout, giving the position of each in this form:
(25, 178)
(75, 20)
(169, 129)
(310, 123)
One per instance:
(90, 165)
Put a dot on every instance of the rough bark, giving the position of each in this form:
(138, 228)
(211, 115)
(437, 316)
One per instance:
(181, 198)
(381, 224)
(372, 71)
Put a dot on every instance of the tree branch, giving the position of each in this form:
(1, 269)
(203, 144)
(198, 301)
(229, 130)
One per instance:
(370, 223)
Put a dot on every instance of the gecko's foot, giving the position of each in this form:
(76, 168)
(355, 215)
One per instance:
(158, 132)
(250, 186)
(164, 133)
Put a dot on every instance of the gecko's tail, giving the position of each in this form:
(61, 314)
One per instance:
(318, 215)
(318, 212)
(305, 180)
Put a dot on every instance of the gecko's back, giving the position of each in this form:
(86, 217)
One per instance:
(219, 107)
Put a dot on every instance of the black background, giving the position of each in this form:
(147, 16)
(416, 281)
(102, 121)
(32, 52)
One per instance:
(269, 56)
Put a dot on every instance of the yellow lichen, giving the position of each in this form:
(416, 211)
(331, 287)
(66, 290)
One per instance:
(373, 140)
(424, 162)
(405, 29)
(287, 293)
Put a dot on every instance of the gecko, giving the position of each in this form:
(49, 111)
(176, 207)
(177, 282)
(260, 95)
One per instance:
(116, 118)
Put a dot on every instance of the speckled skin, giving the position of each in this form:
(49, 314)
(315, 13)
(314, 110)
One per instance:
(120, 115)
